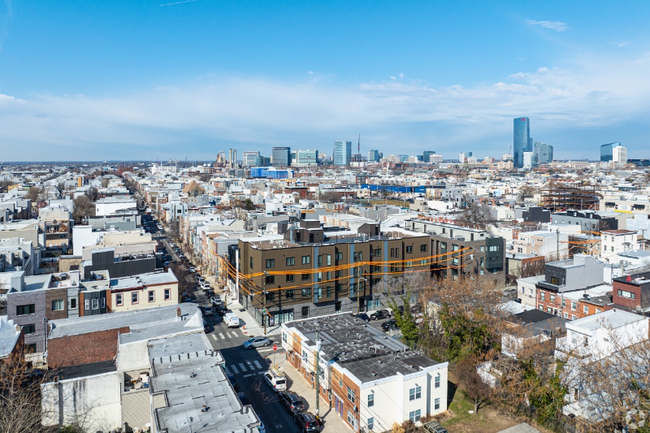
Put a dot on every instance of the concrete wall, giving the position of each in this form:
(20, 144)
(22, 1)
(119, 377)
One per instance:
(94, 401)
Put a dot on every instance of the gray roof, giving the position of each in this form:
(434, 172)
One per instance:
(367, 352)
(191, 382)
(139, 319)
(147, 279)
(610, 318)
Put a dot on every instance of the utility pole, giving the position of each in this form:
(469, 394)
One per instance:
(317, 374)
(264, 300)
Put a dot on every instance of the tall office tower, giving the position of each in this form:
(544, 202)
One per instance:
(281, 157)
(607, 151)
(543, 153)
(250, 158)
(342, 152)
(233, 162)
(305, 157)
(521, 142)
(426, 155)
(373, 156)
(619, 154)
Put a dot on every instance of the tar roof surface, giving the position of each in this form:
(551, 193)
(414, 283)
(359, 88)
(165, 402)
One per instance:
(103, 322)
(191, 383)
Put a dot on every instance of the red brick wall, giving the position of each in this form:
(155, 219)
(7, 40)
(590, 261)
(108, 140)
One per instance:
(84, 348)
(626, 302)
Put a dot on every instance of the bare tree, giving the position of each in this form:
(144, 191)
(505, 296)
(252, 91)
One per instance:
(475, 214)
(477, 390)
(35, 194)
(20, 396)
(83, 207)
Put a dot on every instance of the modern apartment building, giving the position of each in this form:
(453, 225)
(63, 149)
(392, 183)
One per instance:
(251, 158)
(543, 153)
(306, 158)
(462, 250)
(314, 273)
(371, 381)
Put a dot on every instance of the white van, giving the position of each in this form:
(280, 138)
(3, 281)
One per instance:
(231, 320)
(276, 379)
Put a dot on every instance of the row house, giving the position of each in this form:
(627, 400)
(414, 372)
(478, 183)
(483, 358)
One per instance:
(370, 381)
(614, 242)
(564, 286)
(632, 291)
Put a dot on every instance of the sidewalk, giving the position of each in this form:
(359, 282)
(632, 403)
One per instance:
(332, 422)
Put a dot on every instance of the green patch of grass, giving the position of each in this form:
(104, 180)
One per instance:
(460, 407)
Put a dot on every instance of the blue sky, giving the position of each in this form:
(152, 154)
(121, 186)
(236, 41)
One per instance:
(126, 79)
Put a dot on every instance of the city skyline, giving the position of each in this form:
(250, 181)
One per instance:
(158, 80)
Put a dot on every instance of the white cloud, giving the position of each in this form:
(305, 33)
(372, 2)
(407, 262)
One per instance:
(197, 117)
(558, 26)
(621, 44)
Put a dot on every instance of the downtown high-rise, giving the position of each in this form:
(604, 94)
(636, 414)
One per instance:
(342, 152)
(521, 140)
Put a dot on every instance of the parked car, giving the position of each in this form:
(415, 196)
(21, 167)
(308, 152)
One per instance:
(221, 310)
(192, 269)
(292, 402)
(380, 314)
(205, 285)
(243, 398)
(233, 381)
(434, 427)
(363, 316)
(276, 379)
(389, 324)
(307, 422)
(208, 311)
(256, 342)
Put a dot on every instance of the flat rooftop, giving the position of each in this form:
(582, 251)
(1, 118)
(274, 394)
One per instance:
(149, 279)
(104, 322)
(367, 352)
(191, 383)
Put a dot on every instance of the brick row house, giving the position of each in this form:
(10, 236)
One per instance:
(368, 380)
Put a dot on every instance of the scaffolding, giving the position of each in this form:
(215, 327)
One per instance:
(563, 196)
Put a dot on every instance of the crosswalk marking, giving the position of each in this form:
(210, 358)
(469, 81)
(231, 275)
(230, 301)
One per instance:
(234, 369)
(226, 369)
(242, 366)
(257, 364)
(222, 336)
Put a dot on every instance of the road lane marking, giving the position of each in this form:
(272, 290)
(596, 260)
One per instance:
(242, 366)
(234, 369)
(221, 335)
(214, 337)
(257, 364)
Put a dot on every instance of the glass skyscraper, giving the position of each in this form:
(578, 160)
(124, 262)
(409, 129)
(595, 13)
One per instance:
(281, 157)
(342, 152)
(607, 151)
(522, 141)
(543, 153)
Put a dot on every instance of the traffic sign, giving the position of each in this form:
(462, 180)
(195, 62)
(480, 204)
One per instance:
(275, 347)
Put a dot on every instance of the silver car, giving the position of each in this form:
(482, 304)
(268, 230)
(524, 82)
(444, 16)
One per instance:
(256, 342)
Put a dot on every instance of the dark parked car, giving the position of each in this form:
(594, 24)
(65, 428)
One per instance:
(233, 381)
(389, 324)
(292, 402)
(363, 316)
(307, 422)
(434, 427)
(243, 398)
(380, 314)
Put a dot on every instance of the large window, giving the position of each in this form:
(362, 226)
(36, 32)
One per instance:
(626, 294)
(306, 260)
(291, 261)
(25, 309)
(73, 303)
(151, 296)
(270, 279)
(290, 278)
(371, 424)
(409, 249)
(351, 395)
(415, 415)
(437, 381)
(95, 304)
(289, 294)
(306, 291)
(270, 263)
(436, 404)
(118, 299)
(58, 305)
(329, 260)
(415, 393)
(305, 277)
(423, 248)
(134, 297)
(371, 400)
(168, 294)
(29, 329)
